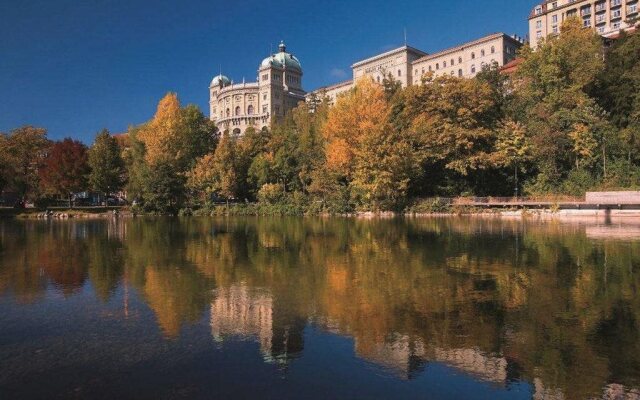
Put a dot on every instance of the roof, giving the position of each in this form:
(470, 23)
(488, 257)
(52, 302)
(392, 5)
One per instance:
(465, 45)
(512, 66)
(388, 53)
(335, 85)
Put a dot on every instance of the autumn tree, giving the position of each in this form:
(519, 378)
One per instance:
(170, 143)
(362, 111)
(25, 151)
(64, 171)
(106, 164)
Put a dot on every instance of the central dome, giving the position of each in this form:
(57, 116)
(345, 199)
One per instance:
(282, 60)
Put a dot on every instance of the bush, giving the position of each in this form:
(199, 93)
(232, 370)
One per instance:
(271, 193)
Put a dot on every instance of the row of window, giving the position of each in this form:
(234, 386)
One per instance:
(452, 62)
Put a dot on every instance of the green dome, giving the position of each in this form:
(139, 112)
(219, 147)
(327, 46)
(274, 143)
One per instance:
(282, 60)
(220, 80)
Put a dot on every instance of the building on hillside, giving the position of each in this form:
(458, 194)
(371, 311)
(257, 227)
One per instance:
(607, 17)
(408, 65)
(234, 107)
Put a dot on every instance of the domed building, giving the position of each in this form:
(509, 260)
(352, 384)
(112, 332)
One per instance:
(234, 107)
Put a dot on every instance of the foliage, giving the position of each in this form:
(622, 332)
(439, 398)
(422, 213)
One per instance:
(65, 168)
(26, 148)
(106, 163)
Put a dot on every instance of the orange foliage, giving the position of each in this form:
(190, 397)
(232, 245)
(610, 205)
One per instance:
(160, 133)
(361, 112)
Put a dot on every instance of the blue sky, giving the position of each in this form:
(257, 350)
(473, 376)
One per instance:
(75, 67)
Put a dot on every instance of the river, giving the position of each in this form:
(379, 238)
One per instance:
(319, 308)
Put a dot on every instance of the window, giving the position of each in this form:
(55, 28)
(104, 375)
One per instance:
(538, 35)
(264, 109)
(538, 24)
(437, 65)
(378, 79)
(250, 109)
(493, 49)
(616, 13)
(265, 77)
(538, 10)
(452, 62)
(473, 69)
(554, 19)
(459, 60)
(264, 96)
(444, 64)
(399, 73)
(473, 56)
(430, 68)
(586, 23)
(237, 111)
(555, 29)
(482, 53)
(460, 73)
(228, 113)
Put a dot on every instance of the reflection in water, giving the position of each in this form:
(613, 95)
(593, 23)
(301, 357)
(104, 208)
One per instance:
(550, 304)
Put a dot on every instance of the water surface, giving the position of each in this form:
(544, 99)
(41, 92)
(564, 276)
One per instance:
(203, 308)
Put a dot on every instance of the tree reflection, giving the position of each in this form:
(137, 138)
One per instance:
(554, 304)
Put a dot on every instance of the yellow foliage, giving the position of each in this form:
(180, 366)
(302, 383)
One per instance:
(161, 133)
(363, 111)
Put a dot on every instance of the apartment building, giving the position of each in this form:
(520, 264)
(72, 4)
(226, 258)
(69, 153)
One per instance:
(607, 17)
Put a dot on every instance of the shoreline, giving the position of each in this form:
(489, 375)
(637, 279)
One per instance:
(526, 214)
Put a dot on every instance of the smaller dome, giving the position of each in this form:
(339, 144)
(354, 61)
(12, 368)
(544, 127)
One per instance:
(220, 80)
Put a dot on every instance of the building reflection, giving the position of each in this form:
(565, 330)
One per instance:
(244, 313)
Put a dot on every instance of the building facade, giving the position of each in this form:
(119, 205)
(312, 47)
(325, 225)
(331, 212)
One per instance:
(234, 107)
(409, 65)
(607, 17)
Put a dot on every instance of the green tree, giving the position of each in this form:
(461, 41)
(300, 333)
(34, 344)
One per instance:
(107, 166)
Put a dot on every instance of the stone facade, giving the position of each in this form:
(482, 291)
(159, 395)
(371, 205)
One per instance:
(607, 17)
(466, 60)
(236, 107)
(409, 65)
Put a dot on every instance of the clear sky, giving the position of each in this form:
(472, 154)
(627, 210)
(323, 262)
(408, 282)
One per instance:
(75, 67)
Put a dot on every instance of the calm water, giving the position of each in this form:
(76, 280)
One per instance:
(318, 308)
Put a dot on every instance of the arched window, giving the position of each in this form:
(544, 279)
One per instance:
(473, 69)
(473, 56)
(437, 65)
(237, 111)
(236, 132)
(493, 49)
(453, 62)
(250, 109)
(482, 53)
(459, 60)
(444, 64)
(430, 68)
(460, 73)
(228, 112)
(399, 73)
(378, 79)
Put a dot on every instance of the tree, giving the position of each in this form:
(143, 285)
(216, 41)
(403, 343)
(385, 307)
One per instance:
(164, 190)
(106, 164)
(26, 148)
(65, 168)
(5, 162)
(513, 148)
(565, 123)
(364, 110)
(173, 140)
